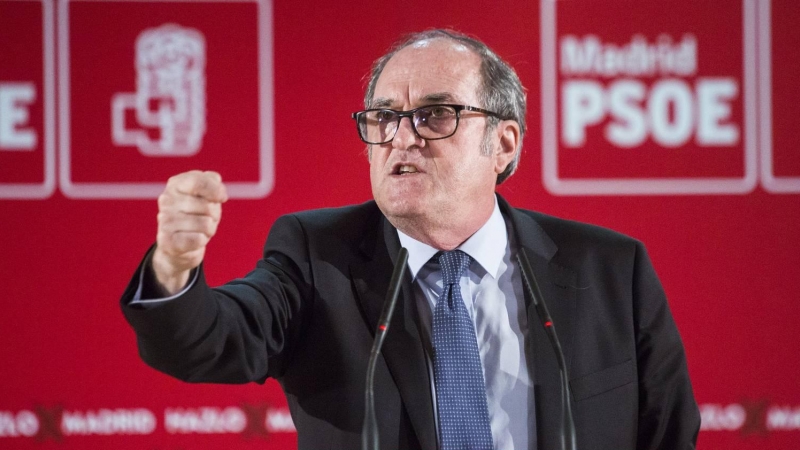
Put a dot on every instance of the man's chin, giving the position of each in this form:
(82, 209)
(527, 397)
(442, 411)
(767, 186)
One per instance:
(400, 208)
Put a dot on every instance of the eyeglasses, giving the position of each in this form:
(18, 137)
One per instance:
(430, 122)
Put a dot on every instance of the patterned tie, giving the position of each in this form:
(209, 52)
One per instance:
(460, 388)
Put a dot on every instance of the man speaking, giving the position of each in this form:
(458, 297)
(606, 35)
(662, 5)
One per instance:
(466, 364)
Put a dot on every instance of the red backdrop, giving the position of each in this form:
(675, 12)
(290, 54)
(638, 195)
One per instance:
(674, 123)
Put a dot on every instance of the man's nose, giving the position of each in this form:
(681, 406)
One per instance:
(405, 137)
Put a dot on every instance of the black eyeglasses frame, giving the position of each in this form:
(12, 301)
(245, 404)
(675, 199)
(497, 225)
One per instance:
(410, 114)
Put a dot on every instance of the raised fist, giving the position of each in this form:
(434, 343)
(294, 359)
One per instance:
(189, 211)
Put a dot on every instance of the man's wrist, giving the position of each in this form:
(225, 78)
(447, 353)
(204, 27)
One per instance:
(167, 279)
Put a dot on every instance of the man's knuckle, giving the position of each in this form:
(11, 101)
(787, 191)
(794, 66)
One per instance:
(164, 200)
(161, 218)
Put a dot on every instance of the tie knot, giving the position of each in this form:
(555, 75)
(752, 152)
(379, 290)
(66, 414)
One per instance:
(453, 264)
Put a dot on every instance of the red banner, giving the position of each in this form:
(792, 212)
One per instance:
(673, 123)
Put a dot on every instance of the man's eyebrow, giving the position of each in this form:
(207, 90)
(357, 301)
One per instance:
(381, 102)
(439, 97)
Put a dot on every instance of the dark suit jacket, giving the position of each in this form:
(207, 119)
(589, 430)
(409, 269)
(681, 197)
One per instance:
(305, 316)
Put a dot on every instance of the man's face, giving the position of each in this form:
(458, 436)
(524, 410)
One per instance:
(447, 183)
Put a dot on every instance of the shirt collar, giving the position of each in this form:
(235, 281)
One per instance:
(487, 246)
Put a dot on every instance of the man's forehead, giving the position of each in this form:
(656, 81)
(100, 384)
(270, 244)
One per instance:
(429, 71)
(435, 52)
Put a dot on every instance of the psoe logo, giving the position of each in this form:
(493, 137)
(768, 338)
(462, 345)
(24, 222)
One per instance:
(653, 110)
(170, 94)
(664, 113)
(166, 95)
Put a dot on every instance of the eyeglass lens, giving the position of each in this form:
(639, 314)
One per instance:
(430, 122)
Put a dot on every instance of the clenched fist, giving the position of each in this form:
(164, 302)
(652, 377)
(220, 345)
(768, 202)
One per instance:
(189, 211)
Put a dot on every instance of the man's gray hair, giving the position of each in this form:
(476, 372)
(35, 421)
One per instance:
(500, 92)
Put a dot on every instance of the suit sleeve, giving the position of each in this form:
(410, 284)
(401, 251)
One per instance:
(242, 331)
(668, 415)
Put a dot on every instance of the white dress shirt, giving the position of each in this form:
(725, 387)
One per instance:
(492, 293)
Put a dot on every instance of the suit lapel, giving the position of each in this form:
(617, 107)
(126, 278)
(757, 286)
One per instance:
(402, 349)
(555, 282)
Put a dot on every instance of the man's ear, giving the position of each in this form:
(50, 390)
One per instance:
(508, 134)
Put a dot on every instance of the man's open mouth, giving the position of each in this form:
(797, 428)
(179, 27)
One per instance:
(404, 169)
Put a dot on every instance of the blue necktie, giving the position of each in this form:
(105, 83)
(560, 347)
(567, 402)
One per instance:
(457, 372)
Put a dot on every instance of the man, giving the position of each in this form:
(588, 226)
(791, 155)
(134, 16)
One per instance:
(466, 363)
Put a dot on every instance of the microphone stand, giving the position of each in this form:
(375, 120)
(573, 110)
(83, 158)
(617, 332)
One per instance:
(568, 437)
(369, 431)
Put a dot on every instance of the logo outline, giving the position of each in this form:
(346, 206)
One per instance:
(769, 181)
(149, 190)
(642, 186)
(43, 190)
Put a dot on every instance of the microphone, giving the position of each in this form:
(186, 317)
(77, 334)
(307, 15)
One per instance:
(568, 438)
(369, 431)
